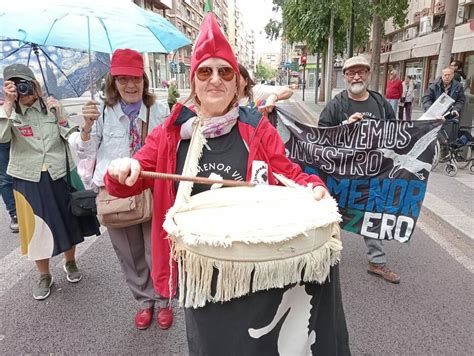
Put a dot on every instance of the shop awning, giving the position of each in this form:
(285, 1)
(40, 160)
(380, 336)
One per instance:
(426, 46)
(463, 39)
(401, 51)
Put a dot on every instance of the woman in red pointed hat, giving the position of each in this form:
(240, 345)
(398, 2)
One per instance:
(237, 138)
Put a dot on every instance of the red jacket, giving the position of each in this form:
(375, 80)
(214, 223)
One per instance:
(159, 154)
(394, 89)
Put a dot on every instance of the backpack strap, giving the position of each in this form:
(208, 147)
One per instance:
(144, 132)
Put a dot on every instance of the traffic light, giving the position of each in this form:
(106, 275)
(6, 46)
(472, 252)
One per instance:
(303, 59)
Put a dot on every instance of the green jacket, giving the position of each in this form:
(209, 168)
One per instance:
(173, 94)
(36, 142)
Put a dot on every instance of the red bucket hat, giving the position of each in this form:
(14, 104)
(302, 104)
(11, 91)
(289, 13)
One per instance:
(126, 62)
(212, 43)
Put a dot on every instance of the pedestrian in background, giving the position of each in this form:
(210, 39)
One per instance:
(260, 96)
(394, 90)
(6, 186)
(38, 167)
(351, 105)
(445, 84)
(114, 129)
(406, 100)
(459, 74)
(173, 93)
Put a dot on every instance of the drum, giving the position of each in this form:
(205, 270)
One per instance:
(256, 238)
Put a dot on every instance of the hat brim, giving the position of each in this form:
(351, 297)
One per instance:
(21, 76)
(134, 72)
(356, 65)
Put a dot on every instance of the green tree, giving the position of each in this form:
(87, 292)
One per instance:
(383, 10)
(263, 71)
(307, 21)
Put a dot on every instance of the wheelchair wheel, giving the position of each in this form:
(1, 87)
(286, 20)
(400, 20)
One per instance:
(437, 150)
(471, 168)
(451, 169)
(463, 156)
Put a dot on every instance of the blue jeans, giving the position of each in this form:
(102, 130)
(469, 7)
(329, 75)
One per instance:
(375, 252)
(6, 182)
(394, 104)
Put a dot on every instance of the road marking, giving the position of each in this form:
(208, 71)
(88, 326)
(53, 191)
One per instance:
(453, 251)
(14, 266)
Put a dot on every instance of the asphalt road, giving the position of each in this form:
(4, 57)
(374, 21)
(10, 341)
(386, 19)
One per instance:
(429, 313)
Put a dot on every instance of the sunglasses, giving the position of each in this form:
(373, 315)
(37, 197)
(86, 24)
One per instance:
(125, 79)
(225, 73)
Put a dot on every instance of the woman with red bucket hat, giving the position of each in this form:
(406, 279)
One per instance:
(114, 128)
(197, 139)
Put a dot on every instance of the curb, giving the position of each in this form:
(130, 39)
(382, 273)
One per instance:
(459, 223)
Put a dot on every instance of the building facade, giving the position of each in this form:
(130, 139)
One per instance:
(187, 16)
(413, 50)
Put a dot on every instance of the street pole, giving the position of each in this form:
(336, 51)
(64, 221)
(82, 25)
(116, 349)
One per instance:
(350, 50)
(304, 78)
(317, 79)
(330, 59)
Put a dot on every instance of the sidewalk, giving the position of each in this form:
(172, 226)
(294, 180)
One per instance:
(449, 199)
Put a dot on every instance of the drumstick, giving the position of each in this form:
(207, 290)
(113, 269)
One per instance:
(199, 180)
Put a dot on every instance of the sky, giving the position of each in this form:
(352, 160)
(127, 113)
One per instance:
(256, 14)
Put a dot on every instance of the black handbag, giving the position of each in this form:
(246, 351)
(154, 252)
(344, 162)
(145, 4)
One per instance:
(82, 202)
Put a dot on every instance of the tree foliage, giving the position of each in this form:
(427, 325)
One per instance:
(262, 71)
(307, 21)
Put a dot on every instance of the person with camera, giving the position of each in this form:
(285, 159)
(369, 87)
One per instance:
(37, 128)
(116, 128)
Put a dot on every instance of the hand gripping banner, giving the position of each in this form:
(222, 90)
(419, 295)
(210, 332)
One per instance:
(377, 170)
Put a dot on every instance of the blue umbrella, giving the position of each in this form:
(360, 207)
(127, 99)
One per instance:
(92, 25)
(64, 73)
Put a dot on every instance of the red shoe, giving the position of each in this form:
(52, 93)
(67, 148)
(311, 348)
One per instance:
(164, 318)
(143, 318)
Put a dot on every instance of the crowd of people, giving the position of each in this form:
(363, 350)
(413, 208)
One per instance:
(129, 131)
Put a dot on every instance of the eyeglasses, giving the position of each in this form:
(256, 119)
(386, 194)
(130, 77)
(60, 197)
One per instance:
(225, 73)
(125, 79)
(362, 73)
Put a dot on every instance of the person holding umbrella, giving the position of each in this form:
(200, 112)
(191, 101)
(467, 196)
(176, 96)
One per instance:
(114, 129)
(37, 130)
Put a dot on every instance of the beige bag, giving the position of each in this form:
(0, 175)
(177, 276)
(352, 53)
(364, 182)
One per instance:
(116, 212)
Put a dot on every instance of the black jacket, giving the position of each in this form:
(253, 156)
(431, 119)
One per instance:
(335, 111)
(459, 75)
(435, 90)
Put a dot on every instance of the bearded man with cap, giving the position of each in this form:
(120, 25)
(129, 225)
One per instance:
(237, 138)
(354, 104)
(37, 128)
(114, 128)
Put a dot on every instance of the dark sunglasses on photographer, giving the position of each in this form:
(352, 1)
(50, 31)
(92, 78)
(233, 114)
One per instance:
(225, 73)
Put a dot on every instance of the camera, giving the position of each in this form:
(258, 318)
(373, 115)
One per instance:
(24, 87)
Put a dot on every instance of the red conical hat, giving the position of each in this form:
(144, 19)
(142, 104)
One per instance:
(212, 43)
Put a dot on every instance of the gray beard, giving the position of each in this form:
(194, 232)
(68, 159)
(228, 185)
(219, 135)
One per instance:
(357, 88)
